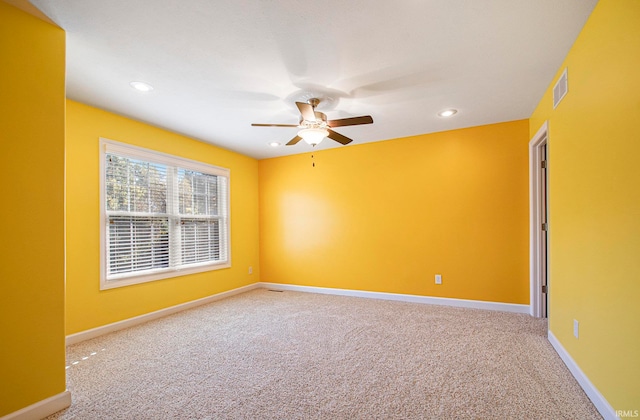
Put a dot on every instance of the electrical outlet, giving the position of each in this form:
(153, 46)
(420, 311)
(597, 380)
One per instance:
(575, 328)
(438, 279)
(250, 270)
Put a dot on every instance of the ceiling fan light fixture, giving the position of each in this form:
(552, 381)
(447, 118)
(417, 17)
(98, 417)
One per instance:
(274, 144)
(447, 112)
(313, 136)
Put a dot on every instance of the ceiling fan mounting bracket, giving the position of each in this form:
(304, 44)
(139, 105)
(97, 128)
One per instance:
(327, 99)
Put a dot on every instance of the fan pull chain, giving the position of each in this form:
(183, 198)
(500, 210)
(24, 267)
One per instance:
(313, 163)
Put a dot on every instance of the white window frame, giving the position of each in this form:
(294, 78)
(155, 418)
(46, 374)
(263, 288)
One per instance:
(122, 149)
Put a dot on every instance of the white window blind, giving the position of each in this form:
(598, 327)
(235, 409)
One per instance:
(163, 215)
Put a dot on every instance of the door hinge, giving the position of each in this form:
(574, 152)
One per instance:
(544, 288)
(543, 164)
(545, 227)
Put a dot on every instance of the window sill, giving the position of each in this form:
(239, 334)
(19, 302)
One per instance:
(145, 278)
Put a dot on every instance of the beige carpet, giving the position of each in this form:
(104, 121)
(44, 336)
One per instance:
(290, 355)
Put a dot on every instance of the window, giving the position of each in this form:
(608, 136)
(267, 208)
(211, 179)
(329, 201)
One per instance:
(163, 216)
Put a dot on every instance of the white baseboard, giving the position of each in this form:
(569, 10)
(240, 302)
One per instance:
(462, 303)
(42, 409)
(120, 325)
(592, 392)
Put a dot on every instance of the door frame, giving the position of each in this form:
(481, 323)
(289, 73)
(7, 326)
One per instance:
(536, 237)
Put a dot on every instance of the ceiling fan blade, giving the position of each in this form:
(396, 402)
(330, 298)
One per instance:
(339, 137)
(274, 125)
(350, 121)
(294, 140)
(307, 111)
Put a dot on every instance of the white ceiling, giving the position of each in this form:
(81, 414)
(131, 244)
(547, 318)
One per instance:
(218, 66)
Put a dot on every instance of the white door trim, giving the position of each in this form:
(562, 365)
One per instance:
(535, 220)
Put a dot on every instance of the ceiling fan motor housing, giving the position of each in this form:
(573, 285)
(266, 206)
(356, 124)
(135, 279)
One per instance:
(320, 121)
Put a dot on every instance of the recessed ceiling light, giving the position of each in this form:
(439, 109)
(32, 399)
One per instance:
(447, 112)
(141, 86)
(274, 144)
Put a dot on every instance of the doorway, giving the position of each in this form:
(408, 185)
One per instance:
(539, 223)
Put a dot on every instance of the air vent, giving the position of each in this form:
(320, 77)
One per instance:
(560, 89)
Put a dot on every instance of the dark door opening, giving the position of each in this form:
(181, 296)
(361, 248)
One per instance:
(544, 269)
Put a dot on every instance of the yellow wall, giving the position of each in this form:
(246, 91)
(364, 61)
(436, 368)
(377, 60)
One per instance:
(388, 216)
(594, 187)
(32, 210)
(87, 306)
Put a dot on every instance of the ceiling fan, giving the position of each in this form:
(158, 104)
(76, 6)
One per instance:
(314, 125)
